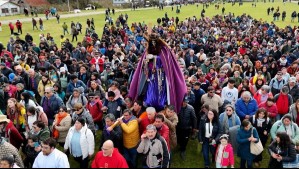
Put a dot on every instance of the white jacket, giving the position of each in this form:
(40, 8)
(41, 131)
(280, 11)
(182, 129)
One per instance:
(86, 141)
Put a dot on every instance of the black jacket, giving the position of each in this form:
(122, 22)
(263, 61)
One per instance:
(288, 154)
(6, 71)
(115, 136)
(216, 132)
(187, 118)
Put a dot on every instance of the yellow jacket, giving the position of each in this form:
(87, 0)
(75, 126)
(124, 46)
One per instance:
(41, 88)
(130, 133)
(25, 66)
(22, 111)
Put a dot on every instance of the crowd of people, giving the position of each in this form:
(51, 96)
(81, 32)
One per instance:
(237, 84)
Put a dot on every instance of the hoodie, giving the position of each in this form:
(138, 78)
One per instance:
(292, 130)
(115, 161)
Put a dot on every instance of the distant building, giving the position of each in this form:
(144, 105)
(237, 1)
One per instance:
(9, 8)
(120, 2)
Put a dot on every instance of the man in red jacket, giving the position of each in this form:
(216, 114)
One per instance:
(162, 128)
(109, 157)
(19, 26)
(94, 106)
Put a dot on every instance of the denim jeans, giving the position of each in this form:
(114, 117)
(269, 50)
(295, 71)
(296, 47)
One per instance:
(131, 155)
(206, 147)
(243, 162)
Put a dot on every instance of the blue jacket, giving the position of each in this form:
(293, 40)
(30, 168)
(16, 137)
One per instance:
(244, 144)
(55, 104)
(242, 109)
(71, 86)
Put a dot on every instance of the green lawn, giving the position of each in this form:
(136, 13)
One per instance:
(22, 16)
(194, 157)
(151, 15)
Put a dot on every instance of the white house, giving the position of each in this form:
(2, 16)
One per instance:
(9, 8)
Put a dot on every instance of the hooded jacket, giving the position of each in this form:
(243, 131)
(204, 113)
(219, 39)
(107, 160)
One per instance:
(115, 161)
(280, 127)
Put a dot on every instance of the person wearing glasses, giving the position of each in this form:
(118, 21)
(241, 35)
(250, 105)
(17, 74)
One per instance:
(212, 99)
(80, 141)
(228, 119)
(80, 111)
(51, 104)
(94, 107)
(50, 156)
(277, 83)
(61, 125)
(109, 157)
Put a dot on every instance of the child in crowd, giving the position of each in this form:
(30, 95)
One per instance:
(224, 153)
(31, 150)
(114, 88)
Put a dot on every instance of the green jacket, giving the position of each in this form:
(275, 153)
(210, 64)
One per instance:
(43, 134)
(64, 26)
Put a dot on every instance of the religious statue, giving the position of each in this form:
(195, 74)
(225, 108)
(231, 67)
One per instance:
(158, 79)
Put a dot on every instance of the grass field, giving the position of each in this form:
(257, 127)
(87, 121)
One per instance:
(150, 16)
(194, 157)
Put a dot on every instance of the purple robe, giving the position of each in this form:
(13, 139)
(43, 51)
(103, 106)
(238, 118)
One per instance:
(156, 98)
(174, 76)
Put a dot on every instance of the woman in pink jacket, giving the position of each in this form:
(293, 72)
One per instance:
(224, 153)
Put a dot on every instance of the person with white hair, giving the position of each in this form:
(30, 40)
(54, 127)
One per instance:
(262, 94)
(151, 113)
(191, 57)
(246, 106)
(154, 147)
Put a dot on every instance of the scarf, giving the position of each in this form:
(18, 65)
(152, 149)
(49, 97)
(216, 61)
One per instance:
(92, 103)
(108, 132)
(127, 121)
(260, 122)
(225, 124)
(59, 117)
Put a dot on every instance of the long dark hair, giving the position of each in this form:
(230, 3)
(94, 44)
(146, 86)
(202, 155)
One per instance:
(285, 140)
(58, 86)
(26, 96)
(215, 118)
(154, 49)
